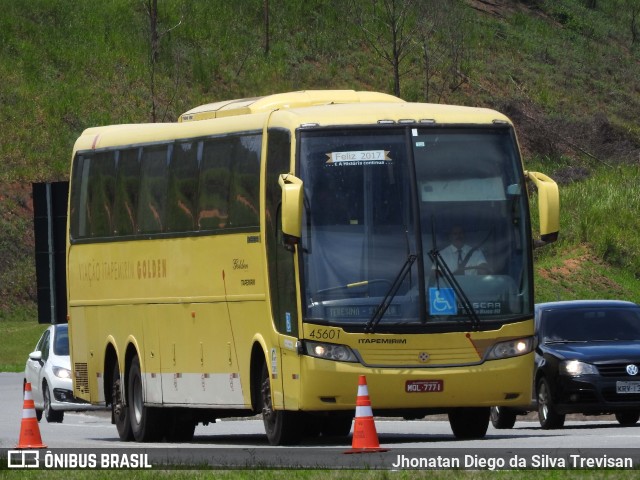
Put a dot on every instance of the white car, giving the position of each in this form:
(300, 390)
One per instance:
(48, 370)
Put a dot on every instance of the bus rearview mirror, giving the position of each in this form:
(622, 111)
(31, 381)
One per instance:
(292, 194)
(548, 206)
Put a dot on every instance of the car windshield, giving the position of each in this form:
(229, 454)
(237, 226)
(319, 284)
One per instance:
(61, 340)
(414, 227)
(590, 324)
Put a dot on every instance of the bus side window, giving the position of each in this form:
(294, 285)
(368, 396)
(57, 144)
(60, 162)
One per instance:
(100, 193)
(245, 184)
(183, 188)
(127, 190)
(214, 185)
(78, 193)
(153, 186)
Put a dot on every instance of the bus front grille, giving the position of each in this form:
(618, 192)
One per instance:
(428, 357)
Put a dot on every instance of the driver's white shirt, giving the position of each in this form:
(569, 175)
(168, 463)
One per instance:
(450, 256)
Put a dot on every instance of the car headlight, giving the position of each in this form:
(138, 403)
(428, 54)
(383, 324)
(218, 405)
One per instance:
(61, 372)
(576, 368)
(330, 351)
(511, 348)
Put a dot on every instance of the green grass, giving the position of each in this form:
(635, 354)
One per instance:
(18, 339)
(328, 475)
(598, 253)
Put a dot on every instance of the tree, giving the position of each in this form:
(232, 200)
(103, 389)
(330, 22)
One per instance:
(409, 34)
(389, 28)
(265, 9)
(151, 9)
(634, 10)
(444, 44)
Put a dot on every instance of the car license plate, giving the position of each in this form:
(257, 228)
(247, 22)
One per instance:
(627, 387)
(421, 386)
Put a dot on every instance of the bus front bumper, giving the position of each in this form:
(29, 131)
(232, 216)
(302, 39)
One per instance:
(332, 385)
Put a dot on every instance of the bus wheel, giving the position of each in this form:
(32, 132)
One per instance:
(119, 411)
(146, 422)
(282, 427)
(469, 423)
(503, 417)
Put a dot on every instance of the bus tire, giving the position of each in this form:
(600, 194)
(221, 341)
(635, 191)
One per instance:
(119, 411)
(146, 422)
(469, 423)
(282, 427)
(502, 417)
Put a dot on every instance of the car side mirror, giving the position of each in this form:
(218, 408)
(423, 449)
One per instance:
(35, 356)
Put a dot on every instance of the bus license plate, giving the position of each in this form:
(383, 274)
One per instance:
(627, 387)
(421, 386)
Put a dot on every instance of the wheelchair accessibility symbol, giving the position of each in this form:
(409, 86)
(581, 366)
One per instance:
(442, 301)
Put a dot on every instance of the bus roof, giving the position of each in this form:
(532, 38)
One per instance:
(335, 107)
(289, 110)
(305, 98)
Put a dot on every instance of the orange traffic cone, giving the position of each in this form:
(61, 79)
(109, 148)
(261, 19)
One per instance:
(29, 430)
(365, 437)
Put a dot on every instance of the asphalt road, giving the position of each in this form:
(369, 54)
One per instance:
(94, 430)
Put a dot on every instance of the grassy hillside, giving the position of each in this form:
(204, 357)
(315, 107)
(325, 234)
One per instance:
(568, 75)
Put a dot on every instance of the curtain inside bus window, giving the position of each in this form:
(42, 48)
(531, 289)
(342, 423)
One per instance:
(182, 192)
(127, 191)
(100, 193)
(153, 187)
(245, 185)
(215, 178)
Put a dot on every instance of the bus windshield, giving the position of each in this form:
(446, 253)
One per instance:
(420, 228)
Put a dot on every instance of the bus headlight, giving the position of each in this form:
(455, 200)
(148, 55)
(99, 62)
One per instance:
(575, 368)
(330, 351)
(511, 348)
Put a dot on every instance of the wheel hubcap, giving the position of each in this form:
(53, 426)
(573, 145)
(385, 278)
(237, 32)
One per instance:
(137, 400)
(542, 398)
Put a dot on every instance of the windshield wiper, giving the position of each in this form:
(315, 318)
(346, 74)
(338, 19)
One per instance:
(389, 296)
(441, 266)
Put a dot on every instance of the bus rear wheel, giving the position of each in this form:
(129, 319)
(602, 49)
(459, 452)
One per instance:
(282, 427)
(146, 422)
(119, 411)
(469, 423)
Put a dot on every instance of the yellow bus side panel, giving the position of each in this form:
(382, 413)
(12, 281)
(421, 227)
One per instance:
(167, 297)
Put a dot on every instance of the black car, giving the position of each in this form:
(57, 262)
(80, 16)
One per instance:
(587, 361)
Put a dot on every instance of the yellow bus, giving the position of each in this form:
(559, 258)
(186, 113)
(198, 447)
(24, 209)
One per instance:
(259, 255)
